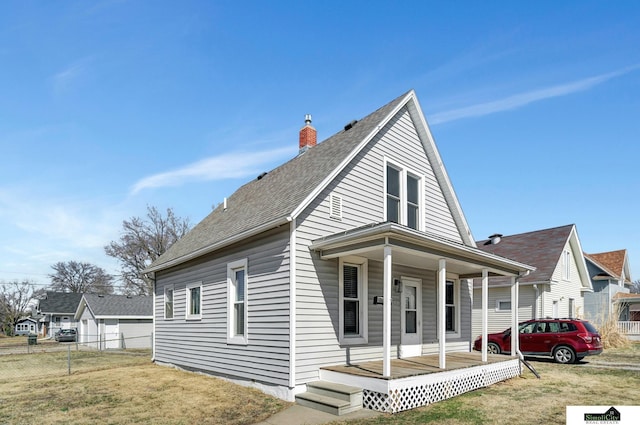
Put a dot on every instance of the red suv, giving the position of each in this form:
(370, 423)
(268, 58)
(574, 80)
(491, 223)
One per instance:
(566, 340)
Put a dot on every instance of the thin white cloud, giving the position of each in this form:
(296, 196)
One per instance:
(227, 166)
(68, 76)
(522, 99)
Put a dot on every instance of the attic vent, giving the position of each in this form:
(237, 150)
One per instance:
(261, 176)
(335, 206)
(351, 124)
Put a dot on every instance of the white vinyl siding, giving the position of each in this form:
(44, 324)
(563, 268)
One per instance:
(202, 345)
(500, 320)
(362, 186)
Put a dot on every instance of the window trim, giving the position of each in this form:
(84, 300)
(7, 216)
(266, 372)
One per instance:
(404, 172)
(232, 267)
(503, 310)
(187, 313)
(363, 298)
(173, 298)
(456, 305)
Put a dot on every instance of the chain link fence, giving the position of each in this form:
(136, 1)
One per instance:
(29, 357)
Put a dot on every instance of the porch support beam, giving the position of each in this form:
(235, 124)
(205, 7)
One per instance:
(386, 316)
(485, 312)
(515, 295)
(442, 317)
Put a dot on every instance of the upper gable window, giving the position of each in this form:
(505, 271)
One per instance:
(403, 204)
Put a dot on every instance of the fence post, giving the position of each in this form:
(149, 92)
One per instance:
(69, 359)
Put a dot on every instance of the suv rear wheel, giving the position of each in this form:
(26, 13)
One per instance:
(564, 354)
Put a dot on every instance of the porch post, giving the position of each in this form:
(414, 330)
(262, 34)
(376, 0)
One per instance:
(442, 316)
(386, 316)
(515, 341)
(485, 312)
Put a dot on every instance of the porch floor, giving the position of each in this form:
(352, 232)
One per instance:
(414, 366)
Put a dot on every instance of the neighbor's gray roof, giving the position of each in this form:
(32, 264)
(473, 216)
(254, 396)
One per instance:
(541, 249)
(60, 302)
(277, 194)
(119, 305)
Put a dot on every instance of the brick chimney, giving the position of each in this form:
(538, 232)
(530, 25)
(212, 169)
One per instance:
(308, 135)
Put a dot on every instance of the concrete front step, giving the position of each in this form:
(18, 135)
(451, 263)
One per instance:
(337, 399)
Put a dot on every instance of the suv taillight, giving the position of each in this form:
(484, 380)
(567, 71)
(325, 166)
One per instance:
(586, 338)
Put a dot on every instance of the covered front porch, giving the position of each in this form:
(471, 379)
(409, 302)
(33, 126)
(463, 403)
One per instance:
(405, 376)
(419, 381)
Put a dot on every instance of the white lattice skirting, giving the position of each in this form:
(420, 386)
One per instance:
(409, 393)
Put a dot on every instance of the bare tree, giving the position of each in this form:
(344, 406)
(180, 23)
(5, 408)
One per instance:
(15, 299)
(635, 287)
(141, 243)
(79, 277)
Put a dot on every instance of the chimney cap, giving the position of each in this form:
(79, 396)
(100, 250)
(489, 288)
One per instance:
(307, 119)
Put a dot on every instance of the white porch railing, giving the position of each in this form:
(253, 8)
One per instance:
(629, 328)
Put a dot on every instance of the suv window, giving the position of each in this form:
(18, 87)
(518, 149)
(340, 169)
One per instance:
(567, 327)
(590, 327)
(554, 327)
(527, 328)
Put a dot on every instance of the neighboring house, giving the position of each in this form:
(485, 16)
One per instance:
(57, 310)
(26, 326)
(295, 271)
(555, 289)
(115, 321)
(609, 272)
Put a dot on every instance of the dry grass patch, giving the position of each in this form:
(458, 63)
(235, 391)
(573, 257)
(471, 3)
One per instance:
(527, 400)
(138, 394)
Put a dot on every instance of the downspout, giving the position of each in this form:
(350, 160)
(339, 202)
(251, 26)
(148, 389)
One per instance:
(292, 304)
(152, 277)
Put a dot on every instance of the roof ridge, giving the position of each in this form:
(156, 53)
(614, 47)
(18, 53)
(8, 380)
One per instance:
(530, 232)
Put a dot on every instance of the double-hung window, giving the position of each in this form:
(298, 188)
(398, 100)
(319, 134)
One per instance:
(168, 302)
(451, 302)
(194, 301)
(353, 301)
(403, 194)
(237, 302)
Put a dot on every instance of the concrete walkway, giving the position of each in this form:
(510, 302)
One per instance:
(300, 415)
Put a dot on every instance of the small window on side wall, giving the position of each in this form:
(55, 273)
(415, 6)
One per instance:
(237, 298)
(168, 302)
(194, 301)
(503, 305)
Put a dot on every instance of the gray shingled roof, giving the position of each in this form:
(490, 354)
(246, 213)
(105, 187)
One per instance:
(541, 249)
(60, 302)
(119, 305)
(277, 194)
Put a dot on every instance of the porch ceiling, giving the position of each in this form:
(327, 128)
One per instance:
(416, 249)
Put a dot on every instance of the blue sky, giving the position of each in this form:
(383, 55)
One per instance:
(109, 106)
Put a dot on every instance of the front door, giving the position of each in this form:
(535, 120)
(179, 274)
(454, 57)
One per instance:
(411, 318)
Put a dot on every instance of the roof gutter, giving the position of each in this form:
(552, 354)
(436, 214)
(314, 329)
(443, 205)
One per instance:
(392, 229)
(208, 249)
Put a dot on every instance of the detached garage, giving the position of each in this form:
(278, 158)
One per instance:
(115, 321)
